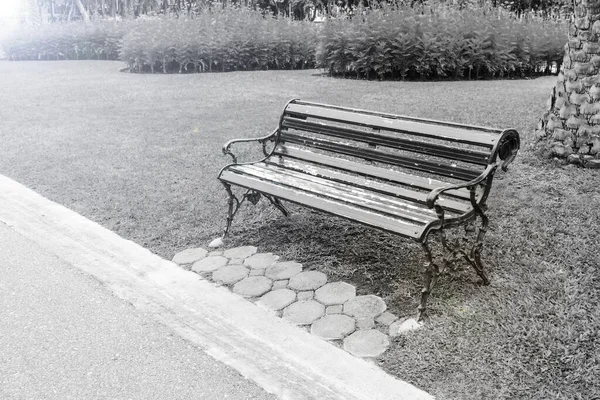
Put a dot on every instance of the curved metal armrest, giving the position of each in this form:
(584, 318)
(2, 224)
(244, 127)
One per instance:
(226, 147)
(507, 147)
(435, 193)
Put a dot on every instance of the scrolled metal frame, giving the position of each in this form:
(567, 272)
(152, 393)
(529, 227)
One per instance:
(505, 150)
(233, 202)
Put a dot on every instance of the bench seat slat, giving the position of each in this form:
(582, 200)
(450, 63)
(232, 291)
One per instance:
(367, 217)
(342, 193)
(290, 151)
(449, 170)
(331, 175)
(395, 123)
(408, 144)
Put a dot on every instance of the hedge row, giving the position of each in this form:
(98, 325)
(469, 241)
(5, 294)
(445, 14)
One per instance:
(233, 39)
(386, 43)
(74, 41)
(439, 42)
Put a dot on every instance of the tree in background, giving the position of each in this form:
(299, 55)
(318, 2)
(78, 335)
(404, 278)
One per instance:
(67, 10)
(570, 128)
(32, 12)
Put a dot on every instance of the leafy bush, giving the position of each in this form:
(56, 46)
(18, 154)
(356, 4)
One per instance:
(437, 42)
(222, 40)
(387, 43)
(73, 41)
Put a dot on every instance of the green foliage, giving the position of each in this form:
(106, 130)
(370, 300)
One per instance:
(73, 41)
(438, 42)
(385, 43)
(223, 40)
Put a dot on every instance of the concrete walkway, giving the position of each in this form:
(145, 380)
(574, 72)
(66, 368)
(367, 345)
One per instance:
(64, 336)
(278, 356)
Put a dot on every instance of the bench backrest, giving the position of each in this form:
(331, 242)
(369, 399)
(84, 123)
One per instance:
(432, 147)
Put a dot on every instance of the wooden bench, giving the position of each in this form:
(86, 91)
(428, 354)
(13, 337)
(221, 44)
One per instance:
(404, 175)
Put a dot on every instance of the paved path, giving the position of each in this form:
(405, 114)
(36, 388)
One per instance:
(64, 336)
(276, 355)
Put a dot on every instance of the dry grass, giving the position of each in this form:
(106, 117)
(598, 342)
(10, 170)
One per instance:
(140, 153)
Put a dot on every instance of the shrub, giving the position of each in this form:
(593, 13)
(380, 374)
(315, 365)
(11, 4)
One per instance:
(69, 41)
(223, 40)
(436, 42)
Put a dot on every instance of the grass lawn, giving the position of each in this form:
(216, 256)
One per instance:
(140, 153)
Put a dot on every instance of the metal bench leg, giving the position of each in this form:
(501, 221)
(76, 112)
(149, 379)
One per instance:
(432, 272)
(277, 204)
(231, 209)
(474, 258)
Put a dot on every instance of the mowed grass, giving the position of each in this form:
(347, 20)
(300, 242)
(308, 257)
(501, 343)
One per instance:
(140, 153)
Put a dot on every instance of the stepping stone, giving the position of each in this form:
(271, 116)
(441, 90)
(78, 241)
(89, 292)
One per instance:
(189, 256)
(230, 274)
(257, 272)
(386, 318)
(303, 296)
(253, 286)
(240, 252)
(368, 306)
(337, 309)
(277, 299)
(335, 293)
(236, 261)
(330, 327)
(400, 327)
(280, 284)
(215, 253)
(261, 260)
(303, 312)
(283, 270)
(209, 264)
(309, 280)
(364, 323)
(367, 343)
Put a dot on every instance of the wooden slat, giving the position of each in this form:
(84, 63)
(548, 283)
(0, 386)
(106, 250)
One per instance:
(367, 217)
(436, 168)
(368, 170)
(332, 176)
(342, 193)
(395, 123)
(376, 138)
(487, 129)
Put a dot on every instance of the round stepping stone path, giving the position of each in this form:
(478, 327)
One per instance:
(332, 310)
(335, 293)
(367, 343)
(230, 274)
(304, 312)
(309, 280)
(240, 252)
(277, 299)
(209, 264)
(283, 270)
(253, 286)
(261, 260)
(334, 326)
(362, 307)
(189, 256)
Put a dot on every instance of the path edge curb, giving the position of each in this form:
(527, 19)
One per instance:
(278, 356)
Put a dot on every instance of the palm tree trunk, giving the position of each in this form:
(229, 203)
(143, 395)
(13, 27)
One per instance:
(570, 128)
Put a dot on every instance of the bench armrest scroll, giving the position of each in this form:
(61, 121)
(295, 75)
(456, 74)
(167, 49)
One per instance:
(435, 193)
(262, 140)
